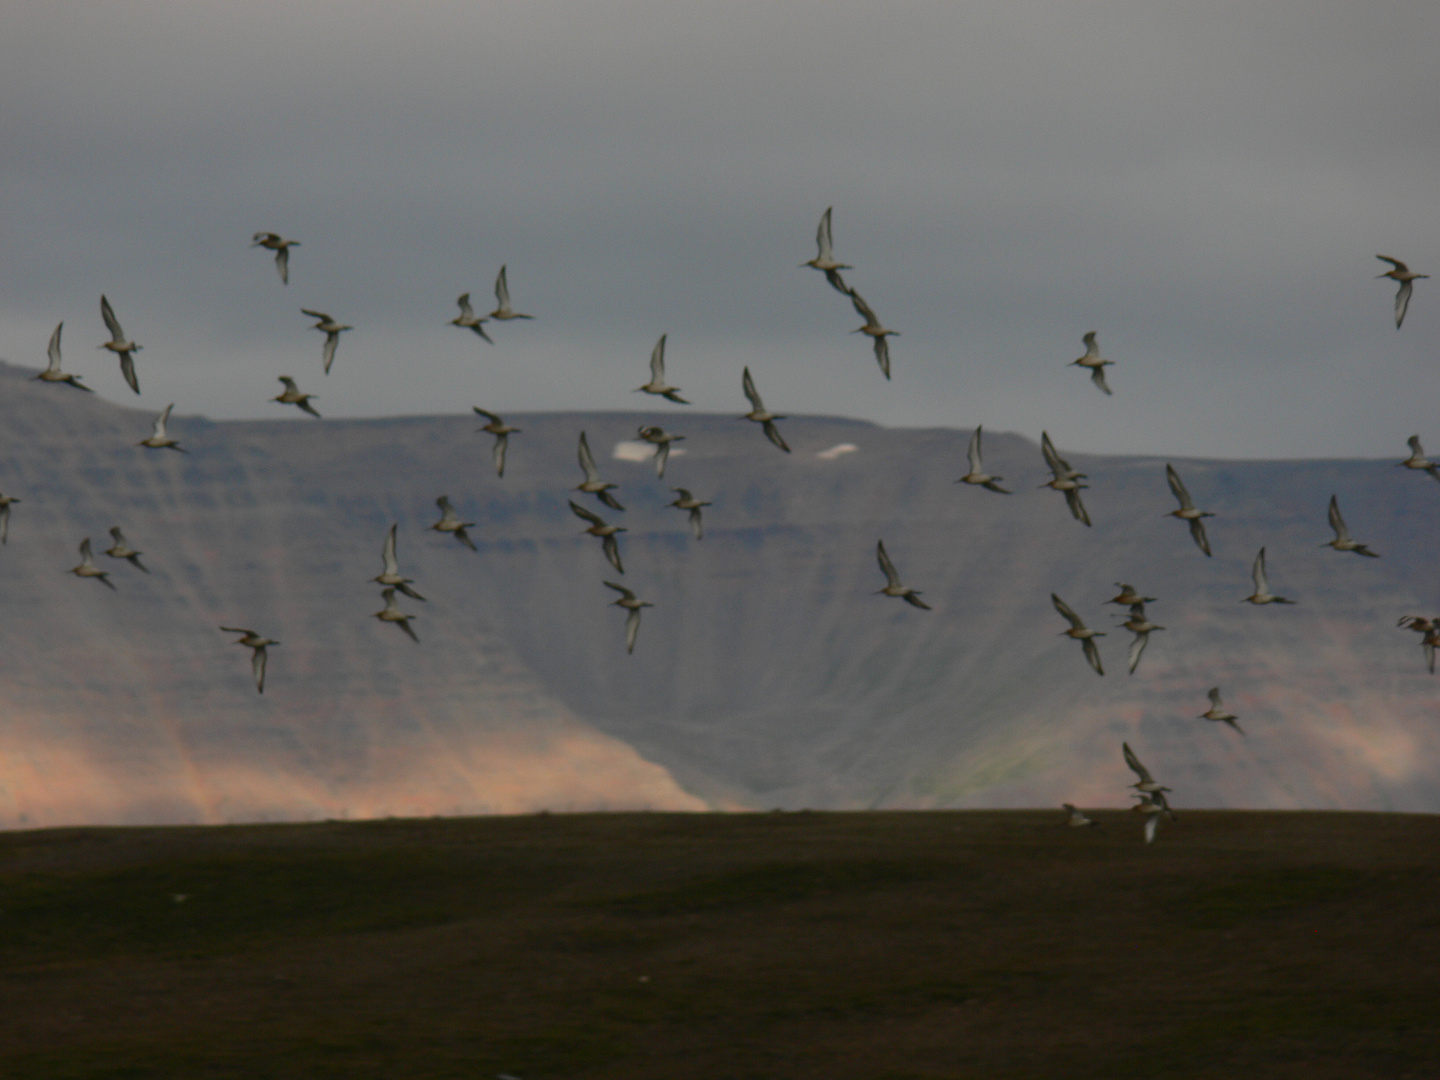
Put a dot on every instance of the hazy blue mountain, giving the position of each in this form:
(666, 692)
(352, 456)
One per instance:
(767, 673)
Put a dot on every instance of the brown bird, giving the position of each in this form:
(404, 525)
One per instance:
(119, 344)
(274, 242)
(450, 522)
(1406, 277)
(258, 656)
(1080, 632)
(502, 432)
(892, 580)
(825, 260)
(605, 532)
(874, 330)
(1187, 512)
(53, 372)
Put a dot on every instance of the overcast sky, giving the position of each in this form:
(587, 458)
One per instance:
(1205, 185)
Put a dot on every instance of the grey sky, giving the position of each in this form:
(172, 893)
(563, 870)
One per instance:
(1205, 185)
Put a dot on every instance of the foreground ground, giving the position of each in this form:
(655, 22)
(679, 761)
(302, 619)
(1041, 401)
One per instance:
(882, 946)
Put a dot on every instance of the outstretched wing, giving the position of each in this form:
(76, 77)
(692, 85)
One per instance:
(332, 339)
(466, 311)
(974, 452)
(1135, 766)
(1065, 610)
(1177, 487)
(625, 593)
(748, 385)
(632, 628)
(488, 415)
(1214, 696)
(657, 361)
(1337, 522)
(1257, 574)
(54, 350)
(257, 666)
(1136, 648)
(587, 461)
(863, 309)
(1092, 350)
(823, 239)
(387, 553)
(1097, 376)
(160, 421)
(111, 323)
(886, 566)
(587, 515)
(1396, 263)
(1197, 533)
(502, 290)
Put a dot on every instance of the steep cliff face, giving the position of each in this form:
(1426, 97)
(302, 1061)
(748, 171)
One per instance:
(766, 674)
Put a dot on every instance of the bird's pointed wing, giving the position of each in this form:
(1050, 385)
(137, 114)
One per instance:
(1065, 610)
(53, 351)
(1214, 696)
(1337, 522)
(662, 455)
(657, 361)
(332, 339)
(111, 323)
(621, 589)
(1396, 263)
(497, 452)
(1197, 533)
(882, 355)
(282, 266)
(161, 420)
(863, 309)
(974, 452)
(257, 665)
(1092, 350)
(289, 383)
(502, 290)
(748, 385)
(1077, 508)
(1135, 766)
(1177, 487)
(632, 628)
(236, 630)
(1413, 441)
(488, 415)
(611, 547)
(466, 311)
(587, 515)
(823, 238)
(773, 434)
(1092, 653)
(118, 536)
(587, 461)
(316, 314)
(886, 566)
(1257, 574)
(1152, 823)
(1136, 648)
(387, 553)
(1097, 376)
(1402, 301)
(696, 525)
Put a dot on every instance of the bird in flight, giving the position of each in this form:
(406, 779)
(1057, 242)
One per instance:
(53, 372)
(1406, 277)
(87, 567)
(1342, 541)
(1217, 711)
(332, 331)
(1094, 362)
(892, 580)
(1129, 596)
(593, 485)
(1262, 593)
(120, 549)
(605, 532)
(258, 656)
(393, 614)
(158, 439)
(657, 383)
(1187, 512)
(468, 320)
(824, 261)
(686, 501)
(291, 395)
(661, 439)
(119, 344)
(502, 432)
(274, 242)
(450, 523)
(759, 414)
(977, 473)
(1418, 460)
(874, 330)
(1140, 625)
(1080, 632)
(1146, 784)
(1065, 480)
(1076, 818)
(632, 621)
(390, 575)
(5, 501)
(503, 311)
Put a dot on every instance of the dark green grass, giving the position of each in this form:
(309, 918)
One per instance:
(932, 946)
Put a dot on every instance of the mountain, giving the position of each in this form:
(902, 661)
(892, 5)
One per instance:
(767, 674)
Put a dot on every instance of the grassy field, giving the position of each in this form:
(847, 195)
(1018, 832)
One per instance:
(888, 946)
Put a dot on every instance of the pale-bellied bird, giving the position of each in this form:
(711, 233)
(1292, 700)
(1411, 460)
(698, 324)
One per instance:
(892, 580)
(759, 414)
(450, 522)
(87, 567)
(53, 372)
(503, 311)
(1406, 277)
(390, 575)
(291, 395)
(1080, 632)
(1418, 460)
(393, 614)
(632, 620)
(1187, 512)
(1342, 541)
(661, 440)
(468, 320)
(258, 656)
(977, 473)
(119, 344)
(276, 243)
(657, 383)
(158, 439)
(1065, 480)
(605, 532)
(1076, 819)
(1262, 593)
(120, 549)
(1141, 626)
(686, 501)
(1094, 362)
(1217, 711)
(874, 330)
(1129, 596)
(502, 432)
(332, 331)
(592, 484)
(1146, 784)
(824, 261)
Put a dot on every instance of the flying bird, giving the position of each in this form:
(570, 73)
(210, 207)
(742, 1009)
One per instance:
(1406, 277)
(977, 473)
(1146, 785)
(657, 383)
(1187, 512)
(258, 656)
(5, 501)
(158, 440)
(393, 614)
(686, 501)
(87, 567)
(1128, 596)
(291, 395)
(468, 320)
(119, 344)
(274, 242)
(450, 523)
(1065, 480)
(1140, 625)
(874, 330)
(1152, 809)
(332, 331)
(120, 549)
(1076, 819)
(1342, 541)
(391, 574)
(502, 432)
(1432, 639)
(1262, 593)
(1055, 463)
(824, 261)
(1217, 711)
(503, 311)
(1094, 362)
(892, 580)
(1080, 632)
(759, 414)
(632, 621)
(53, 372)
(661, 439)
(605, 532)
(592, 484)
(1418, 460)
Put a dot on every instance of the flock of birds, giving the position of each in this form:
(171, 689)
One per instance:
(1151, 796)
